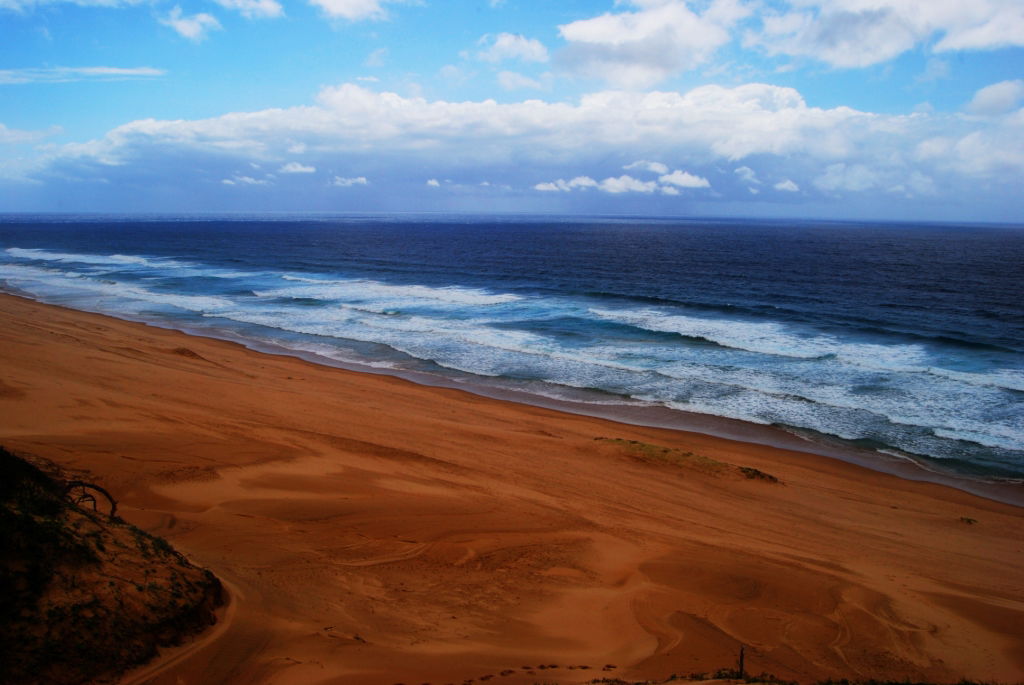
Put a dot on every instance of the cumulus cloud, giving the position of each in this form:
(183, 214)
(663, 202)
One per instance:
(747, 175)
(823, 151)
(510, 80)
(684, 179)
(998, 98)
(254, 8)
(64, 74)
(627, 184)
(353, 10)
(564, 186)
(644, 165)
(505, 46)
(617, 185)
(787, 186)
(342, 182)
(859, 33)
(296, 168)
(661, 38)
(433, 183)
(194, 27)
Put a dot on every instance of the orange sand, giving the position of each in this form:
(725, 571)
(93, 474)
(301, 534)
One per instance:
(376, 531)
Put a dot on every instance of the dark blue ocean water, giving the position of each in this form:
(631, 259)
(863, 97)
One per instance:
(906, 339)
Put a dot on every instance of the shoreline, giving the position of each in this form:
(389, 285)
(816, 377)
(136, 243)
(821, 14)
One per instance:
(380, 531)
(1005, 490)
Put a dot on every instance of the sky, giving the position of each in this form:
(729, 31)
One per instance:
(847, 109)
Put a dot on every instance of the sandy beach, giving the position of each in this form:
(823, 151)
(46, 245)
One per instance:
(373, 531)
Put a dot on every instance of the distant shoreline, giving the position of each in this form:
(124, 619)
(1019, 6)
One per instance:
(1007, 491)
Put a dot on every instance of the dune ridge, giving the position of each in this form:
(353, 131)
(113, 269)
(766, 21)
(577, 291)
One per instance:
(376, 531)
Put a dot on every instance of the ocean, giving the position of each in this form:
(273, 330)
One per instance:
(902, 340)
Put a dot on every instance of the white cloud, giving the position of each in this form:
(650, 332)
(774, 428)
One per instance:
(684, 179)
(244, 181)
(823, 151)
(65, 74)
(342, 182)
(507, 46)
(859, 33)
(643, 164)
(613, 185)
(747, 175)
(640, 48)
(433, 183)
(254, 8)
(787, 186)
(706, 123)
(354, 10)
(194, 27)
(296, 168)
(855, 178)
(510, 80)
(627, 184)
(566, 186)
(13, 136)
(998, 98)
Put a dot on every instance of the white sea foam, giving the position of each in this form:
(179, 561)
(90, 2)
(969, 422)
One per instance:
(1009, 379)
(771, 338)
(100, 260)
(333, 353)
(376, 291)
(1001, 436)
(71, 284)
(760, 337)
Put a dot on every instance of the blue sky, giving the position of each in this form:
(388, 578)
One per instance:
(900, 109)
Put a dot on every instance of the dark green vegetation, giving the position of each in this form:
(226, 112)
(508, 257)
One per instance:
(86, 596)
(656, 454)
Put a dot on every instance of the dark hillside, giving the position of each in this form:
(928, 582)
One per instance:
(85, 595)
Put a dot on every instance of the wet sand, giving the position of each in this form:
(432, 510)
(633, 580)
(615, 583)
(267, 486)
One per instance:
(376, 531)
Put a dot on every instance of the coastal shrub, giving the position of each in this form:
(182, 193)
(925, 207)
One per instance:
(757, 474)
(84, 595)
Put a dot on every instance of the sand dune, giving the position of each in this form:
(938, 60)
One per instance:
(375, 531)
